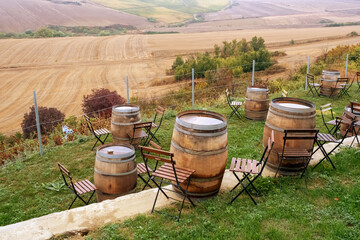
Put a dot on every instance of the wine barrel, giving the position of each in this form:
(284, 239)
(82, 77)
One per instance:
(256, 103)
(123, 118)
(115, 171)
(288, 113)
(328, 81)
(199, 142)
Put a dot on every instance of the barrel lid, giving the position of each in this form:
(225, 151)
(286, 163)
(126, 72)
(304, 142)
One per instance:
(293, 105)
(335, 72)
(257, 89)
(115, 151)
(125, 108)
(201, 120)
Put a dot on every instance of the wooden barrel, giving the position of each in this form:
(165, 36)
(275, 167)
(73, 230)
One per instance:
(288, 113)
(256, 103)
(123, 118)
(199, 142)
(115, 171)
(344, 126)
(328, 81)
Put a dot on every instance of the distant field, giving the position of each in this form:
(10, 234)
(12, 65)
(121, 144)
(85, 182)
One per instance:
(168, 11)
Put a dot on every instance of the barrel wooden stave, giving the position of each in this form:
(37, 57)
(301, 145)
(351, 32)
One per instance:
(328, 81)
(122, 122)
(278, 120)
(256, 103)
(205, 151)
(115, 176)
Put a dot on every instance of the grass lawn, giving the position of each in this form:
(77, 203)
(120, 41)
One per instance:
(329, 208)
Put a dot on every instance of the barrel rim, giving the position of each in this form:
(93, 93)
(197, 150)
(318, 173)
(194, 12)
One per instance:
(198, 126)
(257, 89)
(275, 101)
(126, 155)
(137, 108)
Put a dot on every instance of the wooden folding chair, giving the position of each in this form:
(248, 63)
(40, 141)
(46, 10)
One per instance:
(346, 86)
(142, 169)
(78, 188)
(159, 115)
(96, 132)
(168, 174)
(284, 93)
(358, 79)
(234, 105)
(314, 88)
(322, 138)
(294, 137)
(339, 87)
(250, 167)
(330, 125)
(138, 134)
(355, 109)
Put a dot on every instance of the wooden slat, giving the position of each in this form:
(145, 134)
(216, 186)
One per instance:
(248, 166)
(243, 165)
(238, 164)
(179, 170)
(137, 134)
(157, 158)
(326, 137)
(254, 168)
(325, 106)
(157, 151)
(154, 145)
(84, 186)
(142, 125)
(93, 187)
(160, 108)
(232, 165)
(78, 188)
(63, 169)
(163, 173)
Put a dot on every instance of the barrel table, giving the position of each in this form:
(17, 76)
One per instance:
(328, 81)
(123, 118)
(199, 142)
(256, 103)
(288, 113)
(115, 171)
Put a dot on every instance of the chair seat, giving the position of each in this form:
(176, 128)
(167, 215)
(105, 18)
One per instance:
(325, 137)
(153, 125)
(234, 103)
(101, 131)
(139, 133)
(141, 168)
(295, 153)
(84, 186)
(315, 84)
(244, 166)
(166, 171)
(332, 122)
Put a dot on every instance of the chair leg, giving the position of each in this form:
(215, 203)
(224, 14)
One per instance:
(250, 182)
(145, 181)
(95, 144)
(239, 181)
(185, 196)
(90, 197)
(157, 194)
(73, 202)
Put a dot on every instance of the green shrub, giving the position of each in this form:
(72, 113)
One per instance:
(104, 33)
(44, 33)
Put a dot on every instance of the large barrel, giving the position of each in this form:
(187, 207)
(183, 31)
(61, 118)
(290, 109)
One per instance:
(123, 118)
(115, 171)
(328, 81)
(288, 113)
(256, 103)
(199, 142)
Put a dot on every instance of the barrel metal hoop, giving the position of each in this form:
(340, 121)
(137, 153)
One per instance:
(327, 80)
(259, 112)
(207, 194)
(291, 116)
(122, 160)
(253, 100)
(200, 153)
(125, 124)
(273, 127)
(200, 134)
(115, 174)
(134, 108)
(200, 127)
(125, 113)
(207, 179)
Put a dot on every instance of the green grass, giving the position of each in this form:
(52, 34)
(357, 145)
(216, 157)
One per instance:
(31, 187)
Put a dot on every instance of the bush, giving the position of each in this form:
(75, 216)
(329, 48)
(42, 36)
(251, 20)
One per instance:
(44, 33)
(49, 119)
(100, 102)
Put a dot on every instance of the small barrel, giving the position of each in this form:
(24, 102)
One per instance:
(123, 118)
(288, 113)
(328, 81)
(256, 103)
(115, 171)
(199, 142)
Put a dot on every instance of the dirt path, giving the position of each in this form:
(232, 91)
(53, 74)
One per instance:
(62, 70)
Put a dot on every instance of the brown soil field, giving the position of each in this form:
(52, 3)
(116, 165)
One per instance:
(20, 15)
(62, 70)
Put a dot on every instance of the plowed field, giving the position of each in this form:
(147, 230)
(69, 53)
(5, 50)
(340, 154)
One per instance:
(62, 70)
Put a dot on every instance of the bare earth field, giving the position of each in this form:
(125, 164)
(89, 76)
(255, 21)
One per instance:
(62, 70)
(20, 15)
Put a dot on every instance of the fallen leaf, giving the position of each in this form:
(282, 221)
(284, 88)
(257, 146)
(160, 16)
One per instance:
(336, 199)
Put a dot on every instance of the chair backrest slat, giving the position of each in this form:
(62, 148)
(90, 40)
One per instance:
(156, 151)
(142, 125)
(64, 170)
(355, 106)
(154, 145)
(325, 106)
